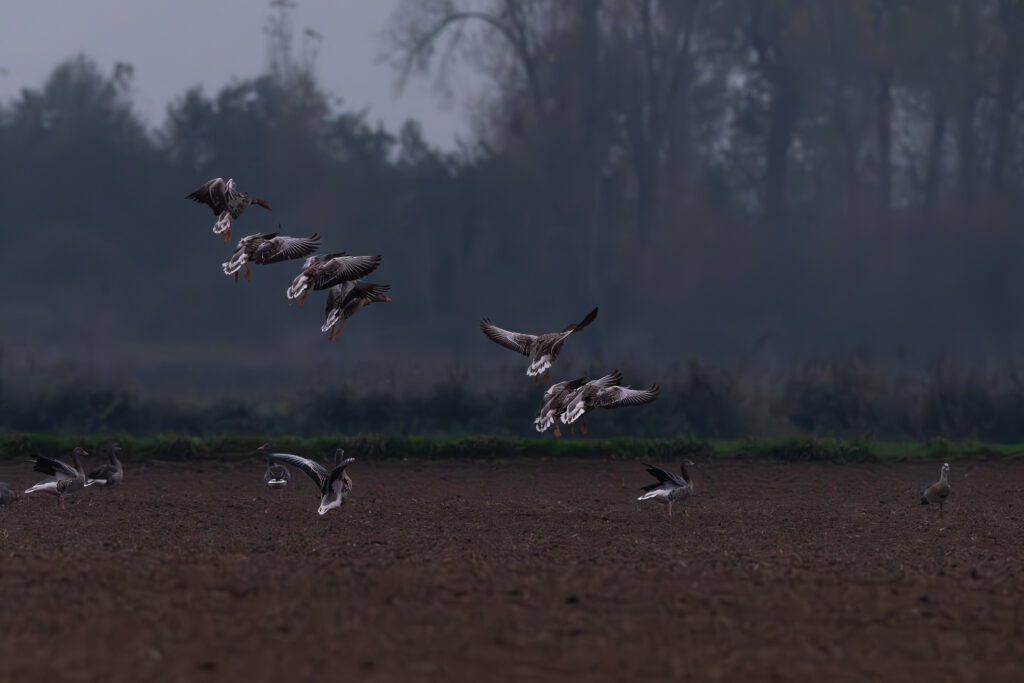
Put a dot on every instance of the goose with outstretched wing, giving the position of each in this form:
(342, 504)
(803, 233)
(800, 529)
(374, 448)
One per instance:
(605, 393)
(334, 486)
(670, 488)
(555, 399)
(227, 203)
(63, 479)
(266, 249)
(323, 272)
(109, 474)
(345, 299)
(541, 349)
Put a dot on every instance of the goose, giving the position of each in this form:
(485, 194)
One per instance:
(937, 493)
(277, 476)
(109, 474)
(554, 403)
(605, 393)
(267, 249)
(227, 203)
(321, 272)
(64, 479)
(671, 488)
(542, 349)
(343, 300)
(334, 485)
(6, 494)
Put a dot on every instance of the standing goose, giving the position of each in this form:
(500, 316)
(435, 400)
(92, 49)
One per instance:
(671, 488)
(227, 203)
(334, 485)
(555, 399)
(937, 493)
(321, 272)
(343, 300)
(109, 474)
(605, 393)
(64, 479)
(267, 249)
(542, 349)
(6, 494)
(277, 476)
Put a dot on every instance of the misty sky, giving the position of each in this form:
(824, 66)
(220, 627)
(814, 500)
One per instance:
(177, 44)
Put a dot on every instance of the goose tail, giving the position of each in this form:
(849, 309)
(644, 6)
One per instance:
(223, 223)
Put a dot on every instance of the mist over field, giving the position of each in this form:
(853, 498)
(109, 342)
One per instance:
(794, 216)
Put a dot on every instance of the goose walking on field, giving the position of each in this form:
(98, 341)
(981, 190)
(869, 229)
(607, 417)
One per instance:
(334, 485)
(277, 476)
(555, 399)
(321, 272)
(345, 299)
(64, 479)
(227, 203)
(541, 349)
(937, 493)
(109, 474)
(267, 249)
(604, 393)
(671, 488)
(6, 494)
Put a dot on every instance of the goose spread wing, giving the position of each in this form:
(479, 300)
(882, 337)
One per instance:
(286, 248)
(664, 476)
(342, 268)
(338, 471)
(54, 468)
(618, 397)
(315, 470)
(368, 290)
(516, 341)
(103, 472)
(212, 193)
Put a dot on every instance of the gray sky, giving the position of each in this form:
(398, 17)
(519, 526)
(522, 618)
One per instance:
(174, 44)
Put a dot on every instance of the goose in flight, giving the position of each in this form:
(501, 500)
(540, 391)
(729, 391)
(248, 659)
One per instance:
(343, 300)
(267, 249)
(554, 404)
(334, 485)
(670, 488)
(607, 393)
(64, 479)
(541, 349)
(937, 493)
(109, 474)
(227, 203)
(321, 272)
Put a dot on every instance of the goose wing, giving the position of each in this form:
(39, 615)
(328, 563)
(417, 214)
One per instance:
(284, 248)
(315, 470)
(337, 295)
(368, 290)
(578, 327)
(213, 193)
(515, 341)
(54, 468)
(336, 473)
(620, 397)
(103, 472)
(664, 476)
(342, 268)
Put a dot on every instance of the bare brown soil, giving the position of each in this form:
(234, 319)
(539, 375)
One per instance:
(523, 571)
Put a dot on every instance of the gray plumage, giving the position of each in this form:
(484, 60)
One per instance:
(324, 271)
(345, 299)
(7, 495)
(541, 349)
(605, 393)
(109, 474)
(226, 201)
(939, 492)
(270, 248)
(555, 399)
(670, 488)
(277, 476)
(334, 485)
(64, 479)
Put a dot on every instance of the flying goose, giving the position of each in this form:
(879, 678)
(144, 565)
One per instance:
(277, 476)
(6, 494)
(605, 393)
(554, 403)
(321, 272)
(937, 493)
(109, 474)
(64, 479)
(343, 300)
(334, 485)
(267, 249)
(542, 349)
(227, 203)
(671, 488)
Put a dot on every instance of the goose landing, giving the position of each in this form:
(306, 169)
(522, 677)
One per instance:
(64, 479)
(334, 485)
(671, 488)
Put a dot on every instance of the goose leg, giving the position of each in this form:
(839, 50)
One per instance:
(302, 300)
(236, 276)
(60, 502)
(572, 429)
(248, 273)
(668, 509)
(227, 235)
(557, 432)
(583, 428)
(547, 376)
